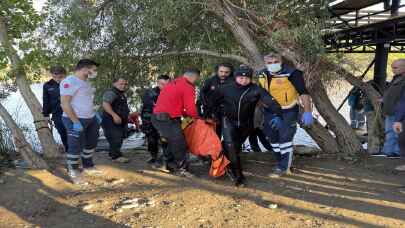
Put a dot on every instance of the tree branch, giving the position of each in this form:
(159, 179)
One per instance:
(237, 58)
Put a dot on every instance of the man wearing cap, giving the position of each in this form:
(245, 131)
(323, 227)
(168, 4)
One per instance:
(80, 119)
(176, 100)
(51, 102)
(287, 86)
(239, 100)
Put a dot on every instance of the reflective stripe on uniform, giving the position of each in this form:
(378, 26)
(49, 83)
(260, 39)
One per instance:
(87, 155)
(72, 156)
(276, 147)
(72, 162)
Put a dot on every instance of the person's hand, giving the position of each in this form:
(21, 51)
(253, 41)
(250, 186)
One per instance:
(117, 119)
(276, 123)
(77, 127)
(47, 120)
(307, 119)
(397, 127)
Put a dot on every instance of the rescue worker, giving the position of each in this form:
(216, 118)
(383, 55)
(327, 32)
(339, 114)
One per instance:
(223, 75)
(176, 100)
(149, 100)
(115, 118)
(51, 102)
(239, 100)
(80, 119)
(287, 86)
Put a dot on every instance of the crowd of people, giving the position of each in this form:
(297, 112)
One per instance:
(393, 111)
(267, 104)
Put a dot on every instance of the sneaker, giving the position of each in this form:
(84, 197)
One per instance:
(277, 173)
(379, 155)
(400, 168)
(161, 166)
(76, 177)
(92, 171)
(394, 156)
(229, 173)
(151, 161)
(184, 173)
(256, 150)
(121, 160)
(240, 182)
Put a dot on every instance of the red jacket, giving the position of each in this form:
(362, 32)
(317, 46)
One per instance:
(178, 99)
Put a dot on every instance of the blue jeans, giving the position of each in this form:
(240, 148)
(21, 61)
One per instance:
(358, 118)
(391, 144)
(282, 139)
(81, 144)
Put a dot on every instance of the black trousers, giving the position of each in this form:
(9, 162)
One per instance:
(152, 138)
(115, 134)
(60, 127)
(170, 130)
(259, 135)
(233, 138)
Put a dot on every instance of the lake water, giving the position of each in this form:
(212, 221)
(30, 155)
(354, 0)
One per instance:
(21, 114)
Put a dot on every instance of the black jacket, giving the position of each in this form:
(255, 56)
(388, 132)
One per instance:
(392, 95)
(51, 99)
(207, 91)
(149, 99)
(239, 102)
(119, 106)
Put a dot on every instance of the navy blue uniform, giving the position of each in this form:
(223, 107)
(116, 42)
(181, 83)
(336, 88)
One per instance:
(285, 86)
(51, 105)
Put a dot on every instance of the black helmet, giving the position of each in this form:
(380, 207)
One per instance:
(244, 71)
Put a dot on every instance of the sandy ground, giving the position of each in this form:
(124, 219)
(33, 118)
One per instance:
(322, 192)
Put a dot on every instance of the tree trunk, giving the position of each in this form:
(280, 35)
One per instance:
(323, 138)
(45, 136)
(241, 34)
(346, 138)
(48, 143)
(375, 131)
(22, 146)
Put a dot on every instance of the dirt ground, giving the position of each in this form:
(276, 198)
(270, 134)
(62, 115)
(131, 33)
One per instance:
(322, 192)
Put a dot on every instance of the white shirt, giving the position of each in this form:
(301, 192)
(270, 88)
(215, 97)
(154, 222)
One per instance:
(82, 96)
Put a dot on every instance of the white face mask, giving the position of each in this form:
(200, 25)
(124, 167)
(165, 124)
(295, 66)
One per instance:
(274, 67)
(92, 75)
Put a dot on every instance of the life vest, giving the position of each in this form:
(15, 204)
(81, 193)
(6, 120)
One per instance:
(119, 106)
(280, 87)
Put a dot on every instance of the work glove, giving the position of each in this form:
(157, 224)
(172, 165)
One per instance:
(276, 123)
(98, 118)
(307, 119)
(77, 127)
